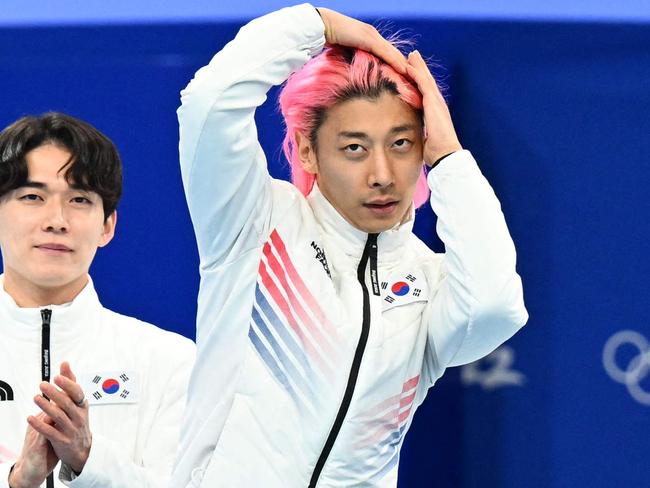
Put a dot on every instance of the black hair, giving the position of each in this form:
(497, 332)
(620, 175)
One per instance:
(94, 163)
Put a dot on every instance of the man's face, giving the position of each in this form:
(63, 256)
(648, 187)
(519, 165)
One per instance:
(49, 230)
(368, 159)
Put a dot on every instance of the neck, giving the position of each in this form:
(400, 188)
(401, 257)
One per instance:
(29, 295)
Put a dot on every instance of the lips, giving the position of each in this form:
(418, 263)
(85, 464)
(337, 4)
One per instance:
(381, 207)
(54, 247)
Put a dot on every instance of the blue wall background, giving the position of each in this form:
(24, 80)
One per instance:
(556, 113)
(38, 12)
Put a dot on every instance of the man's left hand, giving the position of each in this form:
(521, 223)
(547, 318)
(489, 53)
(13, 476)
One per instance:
(441, 138)
(70, 434)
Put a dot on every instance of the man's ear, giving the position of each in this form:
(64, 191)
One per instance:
(306, 154)
(108, 230)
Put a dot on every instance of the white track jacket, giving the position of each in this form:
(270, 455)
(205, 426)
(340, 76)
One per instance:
(134, 376)
(316, 341)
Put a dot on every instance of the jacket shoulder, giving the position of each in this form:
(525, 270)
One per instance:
(423, 254)
(146, 336)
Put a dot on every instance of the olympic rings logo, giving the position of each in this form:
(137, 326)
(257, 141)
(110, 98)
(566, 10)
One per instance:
(636, 370)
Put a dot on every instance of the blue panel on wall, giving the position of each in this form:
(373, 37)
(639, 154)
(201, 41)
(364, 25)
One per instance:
(556, 115)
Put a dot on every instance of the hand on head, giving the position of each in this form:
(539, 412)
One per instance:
(441, 138)
(346, 31)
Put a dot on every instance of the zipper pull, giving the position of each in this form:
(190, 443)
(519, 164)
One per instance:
(46, 315)
(374, 276)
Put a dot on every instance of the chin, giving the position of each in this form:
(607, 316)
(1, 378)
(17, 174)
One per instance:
(50, 282)
(377, 227)
(52, 279)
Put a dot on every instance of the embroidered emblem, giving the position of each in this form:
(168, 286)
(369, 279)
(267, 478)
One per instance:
(6, 392)
(403, 288)
(320, 256)
(110, 387)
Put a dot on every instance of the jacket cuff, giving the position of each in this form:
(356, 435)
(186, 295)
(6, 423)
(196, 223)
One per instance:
(456, 163)
(308, 17)
(4, 474)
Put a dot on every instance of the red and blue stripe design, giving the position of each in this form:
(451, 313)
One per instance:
(289, 330)
(385, 424)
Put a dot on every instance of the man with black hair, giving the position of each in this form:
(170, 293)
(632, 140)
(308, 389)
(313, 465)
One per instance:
(115, 420)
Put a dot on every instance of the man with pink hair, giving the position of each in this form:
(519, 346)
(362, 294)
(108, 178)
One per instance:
(322, 319)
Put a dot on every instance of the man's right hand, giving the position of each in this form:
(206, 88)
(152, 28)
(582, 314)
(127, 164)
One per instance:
(346, 31)
(36, 461)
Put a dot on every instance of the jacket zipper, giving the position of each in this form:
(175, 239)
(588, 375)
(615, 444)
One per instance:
(46, 317)
(369, 254)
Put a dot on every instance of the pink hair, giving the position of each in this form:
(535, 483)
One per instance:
(336, 75)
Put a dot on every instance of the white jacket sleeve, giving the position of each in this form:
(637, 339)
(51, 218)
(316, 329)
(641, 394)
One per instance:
(479, 303)
(4, 474)
(109, 466)
(229, 194)
(226, 181)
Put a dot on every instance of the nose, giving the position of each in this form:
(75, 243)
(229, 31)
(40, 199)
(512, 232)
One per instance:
(381, 171)
(55, 219)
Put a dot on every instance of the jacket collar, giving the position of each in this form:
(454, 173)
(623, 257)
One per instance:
(350, 240)
(70, 319)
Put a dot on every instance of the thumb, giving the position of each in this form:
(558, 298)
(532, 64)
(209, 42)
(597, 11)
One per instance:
(67, 371)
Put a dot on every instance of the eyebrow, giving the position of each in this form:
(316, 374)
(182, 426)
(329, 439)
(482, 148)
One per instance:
(362, 135)
(33, 184)
(43, 186)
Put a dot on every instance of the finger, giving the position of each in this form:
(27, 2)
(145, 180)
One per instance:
(46, 430)
(423, 85)
(63, 402)
(46, 418)
(416, 60)
(340, 29)
(415, 72)
(394, 58)
(384, 49)
(43, 417)
(390, 54)
(33, 436)
(54, 410)
(66, 371)
(419, 71)
(72, 389)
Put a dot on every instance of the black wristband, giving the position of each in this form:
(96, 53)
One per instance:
(440, 159)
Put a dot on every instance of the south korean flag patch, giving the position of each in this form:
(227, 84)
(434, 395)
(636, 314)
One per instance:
(403, 288)
(110, 387)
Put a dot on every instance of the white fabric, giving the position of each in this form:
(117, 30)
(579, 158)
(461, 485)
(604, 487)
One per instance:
(134, 444)
(276, 334)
